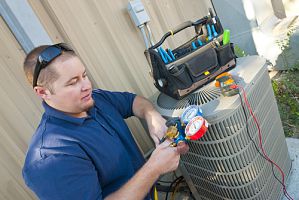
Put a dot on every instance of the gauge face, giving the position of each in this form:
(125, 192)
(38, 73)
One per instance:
(194, 125)
(191, 113)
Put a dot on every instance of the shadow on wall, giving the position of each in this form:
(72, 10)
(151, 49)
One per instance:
(234, 17)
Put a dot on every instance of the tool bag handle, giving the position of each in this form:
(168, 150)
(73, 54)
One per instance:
(180, 28)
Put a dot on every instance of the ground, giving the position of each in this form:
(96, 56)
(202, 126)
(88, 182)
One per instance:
(286, 82)
(286, 89)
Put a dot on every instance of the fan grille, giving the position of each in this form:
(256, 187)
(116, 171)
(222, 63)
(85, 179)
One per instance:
(202, 96)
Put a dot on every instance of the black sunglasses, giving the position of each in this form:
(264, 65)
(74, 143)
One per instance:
(47, 56)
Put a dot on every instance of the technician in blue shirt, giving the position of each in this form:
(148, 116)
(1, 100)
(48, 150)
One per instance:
(82, 148)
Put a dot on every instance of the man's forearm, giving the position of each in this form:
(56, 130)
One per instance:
(142, 107)
(164, 158)
(138, 186)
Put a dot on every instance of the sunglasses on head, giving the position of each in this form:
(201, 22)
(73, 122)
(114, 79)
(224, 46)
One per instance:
(47, 56)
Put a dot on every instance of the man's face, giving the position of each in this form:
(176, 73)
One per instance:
(72, 90)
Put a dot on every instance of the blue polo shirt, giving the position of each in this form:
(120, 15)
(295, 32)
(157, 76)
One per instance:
(83, 158)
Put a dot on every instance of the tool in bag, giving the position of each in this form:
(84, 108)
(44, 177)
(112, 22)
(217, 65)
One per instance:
(180, 71)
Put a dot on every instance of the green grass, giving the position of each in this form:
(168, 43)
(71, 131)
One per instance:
(286, 89)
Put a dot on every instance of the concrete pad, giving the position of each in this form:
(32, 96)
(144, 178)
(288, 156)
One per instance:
(293, 181)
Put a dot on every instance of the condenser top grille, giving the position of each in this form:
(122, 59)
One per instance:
(200, 97)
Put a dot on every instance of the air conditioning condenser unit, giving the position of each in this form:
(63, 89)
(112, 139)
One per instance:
(225, 163)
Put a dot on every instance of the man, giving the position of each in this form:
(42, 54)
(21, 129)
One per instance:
(82, 148)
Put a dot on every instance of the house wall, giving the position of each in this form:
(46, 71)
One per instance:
(20, 111)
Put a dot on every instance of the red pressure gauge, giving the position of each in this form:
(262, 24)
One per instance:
(196, 128)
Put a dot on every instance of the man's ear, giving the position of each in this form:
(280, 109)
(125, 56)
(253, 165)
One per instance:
(42, 92)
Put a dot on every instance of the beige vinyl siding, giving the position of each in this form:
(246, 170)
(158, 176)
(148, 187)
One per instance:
(20, 112)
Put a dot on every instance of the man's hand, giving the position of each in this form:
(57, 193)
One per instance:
(183, 147)
(156, 126)
(142, 108)
(164, 158)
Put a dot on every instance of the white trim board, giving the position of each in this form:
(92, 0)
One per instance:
(24, 24)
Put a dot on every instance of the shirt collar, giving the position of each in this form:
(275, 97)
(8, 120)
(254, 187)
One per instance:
(61, 115)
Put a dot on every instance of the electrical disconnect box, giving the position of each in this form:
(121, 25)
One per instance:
(138, 13)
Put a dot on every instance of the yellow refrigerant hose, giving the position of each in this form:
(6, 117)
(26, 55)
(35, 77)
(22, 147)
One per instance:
(155, 194)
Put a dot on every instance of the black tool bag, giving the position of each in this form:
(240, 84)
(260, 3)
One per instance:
(192, 65)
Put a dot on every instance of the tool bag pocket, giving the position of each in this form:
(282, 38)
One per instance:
(202, 65)
(225, 54)
(169, 80)
(180, 76)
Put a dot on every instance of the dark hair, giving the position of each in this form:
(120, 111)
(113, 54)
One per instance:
(48, 74)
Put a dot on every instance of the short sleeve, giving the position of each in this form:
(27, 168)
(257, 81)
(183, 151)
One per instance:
(60, 177)
(122, 101)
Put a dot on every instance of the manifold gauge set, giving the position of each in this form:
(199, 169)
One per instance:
(189, 126)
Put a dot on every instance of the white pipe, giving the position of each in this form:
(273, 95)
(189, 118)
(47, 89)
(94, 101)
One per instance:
(141, 27)
(150, 34)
